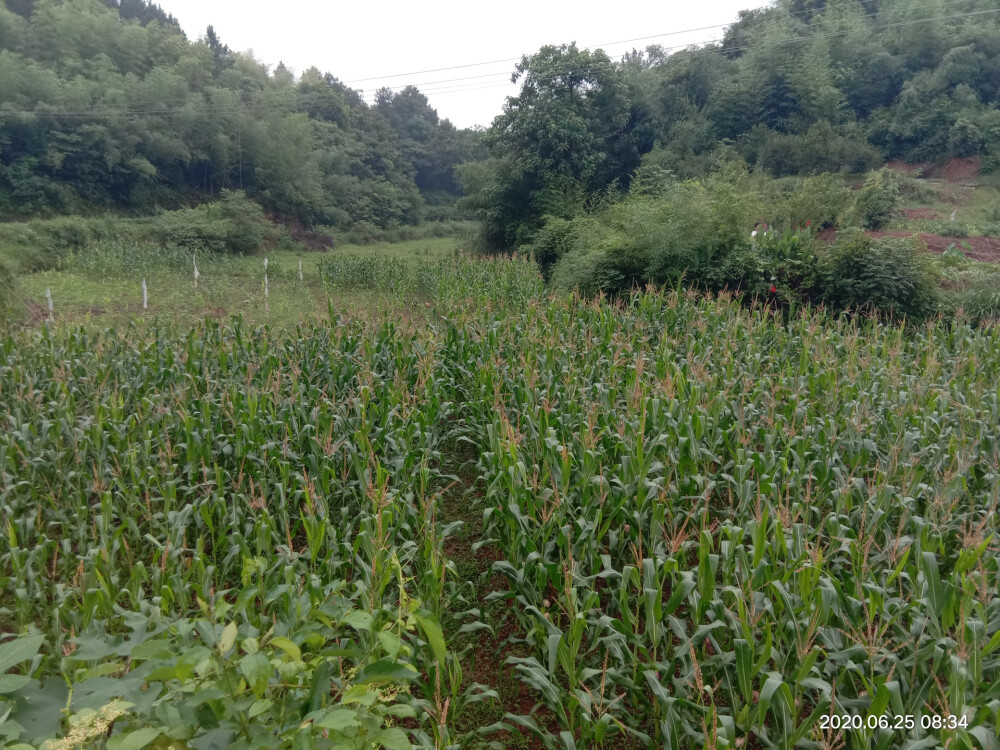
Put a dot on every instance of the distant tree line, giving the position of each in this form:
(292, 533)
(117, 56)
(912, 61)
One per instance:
(800, 87)
(106, 105)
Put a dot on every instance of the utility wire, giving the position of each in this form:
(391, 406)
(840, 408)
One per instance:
(302, 101)
(809, 38)
(606, 44)
(425, 86)
(592, 46)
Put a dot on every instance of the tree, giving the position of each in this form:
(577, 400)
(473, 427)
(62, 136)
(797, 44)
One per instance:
(552, 139)
(221, 53)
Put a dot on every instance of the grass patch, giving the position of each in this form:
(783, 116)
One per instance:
(102, 285)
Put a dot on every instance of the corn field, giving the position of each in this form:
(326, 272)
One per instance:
(708, 528)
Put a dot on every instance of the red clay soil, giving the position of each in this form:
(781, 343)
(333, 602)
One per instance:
(984, 249)
(954, 171)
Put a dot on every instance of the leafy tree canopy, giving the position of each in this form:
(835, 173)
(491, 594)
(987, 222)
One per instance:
(106, 104)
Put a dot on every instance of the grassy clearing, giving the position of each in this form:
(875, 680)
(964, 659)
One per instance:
(666, 521)
(927, 205)
(102, 285)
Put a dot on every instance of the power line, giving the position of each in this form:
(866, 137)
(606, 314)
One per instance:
(99, 113)
(814, 37)
(299, 102)
(778, 43)
(624, 41)
(423, 85)
(592, 46)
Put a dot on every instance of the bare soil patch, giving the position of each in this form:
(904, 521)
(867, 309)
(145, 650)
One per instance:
(983, 249)
(954, 171)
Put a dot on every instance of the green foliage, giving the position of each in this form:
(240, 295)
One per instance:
(48, 244)
(258, 552)
(947, 228)
(364, 233)
(875, 202)
(556, 142)
(892, 276)
(231, 224)
(822, 148)
(109, 106)
(554, 240)
(329, 678)
(981, 303)
(483, 281)
(7, 284)
(790, 264)
(795, 90)
(685, 564)
(124, 259)
(823, 201)
(385, 273)
(686, 228)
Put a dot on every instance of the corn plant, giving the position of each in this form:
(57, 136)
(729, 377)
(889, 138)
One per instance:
(716, 526)
(709, 526)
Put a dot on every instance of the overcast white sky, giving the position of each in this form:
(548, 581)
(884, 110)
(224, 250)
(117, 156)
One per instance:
(358, 41)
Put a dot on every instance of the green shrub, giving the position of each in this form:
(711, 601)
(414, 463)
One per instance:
(823, 200)
(790, 264)
(822, 148)
(893, 276)
(876, 201)
(740, 270)
(554, 240)
(950, 229)
(119, 258)
(593, 270)
(47, 244)
(239, 667)
(991, 160)
(231, 224)
(366, 233)
(917, 190)
(954, 257)
(982, 302)
(469, 283)
(696, 229)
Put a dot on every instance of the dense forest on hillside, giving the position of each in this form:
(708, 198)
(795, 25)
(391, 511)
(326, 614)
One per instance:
(799, 87)
(107, 105)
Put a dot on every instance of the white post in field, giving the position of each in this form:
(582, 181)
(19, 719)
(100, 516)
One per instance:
(267, 302)
(48, 298)
(194, 259)
(300, 270)
(145, 295)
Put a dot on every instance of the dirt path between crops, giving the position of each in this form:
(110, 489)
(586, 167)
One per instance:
(487, 652)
